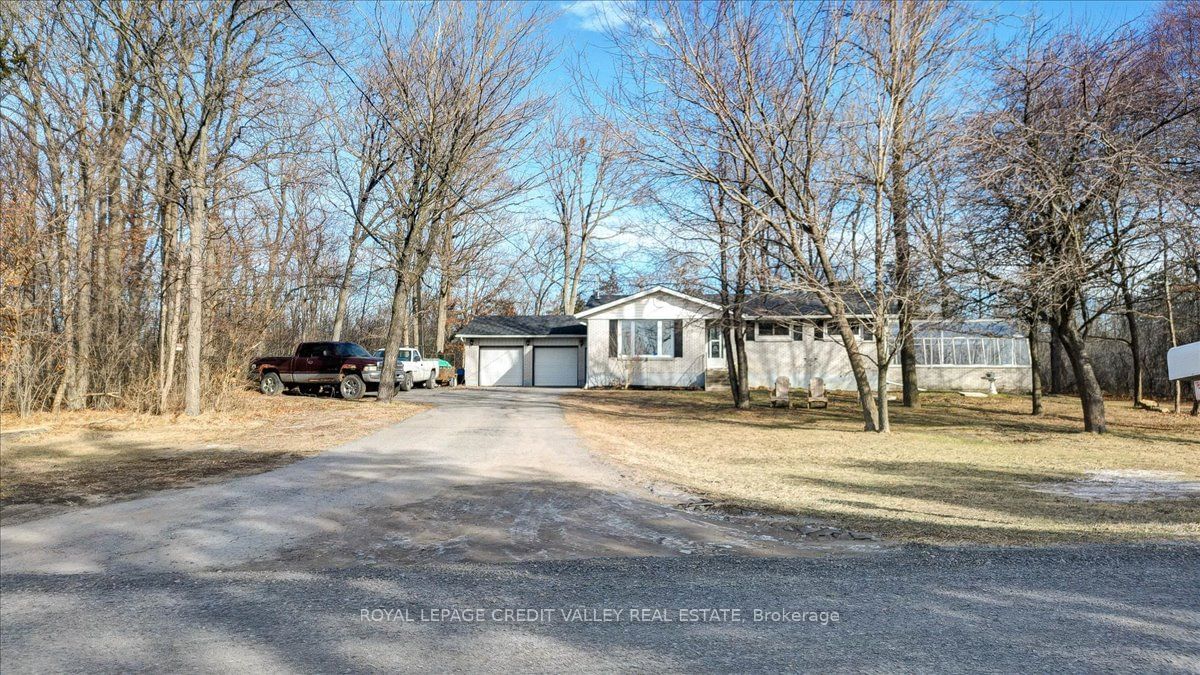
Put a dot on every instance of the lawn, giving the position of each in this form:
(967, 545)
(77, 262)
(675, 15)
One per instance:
(92, 457)
(957, 470)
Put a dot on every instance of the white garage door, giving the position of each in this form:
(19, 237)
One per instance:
(500, 366)
(555, 367)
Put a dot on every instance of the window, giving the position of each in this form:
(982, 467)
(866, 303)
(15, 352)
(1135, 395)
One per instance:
(863, 331)
(649, 337)
(350, 349)
(961, 350)
(773, 328)
(313, 350)
(402, 355)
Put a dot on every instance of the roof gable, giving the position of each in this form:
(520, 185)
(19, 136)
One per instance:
(621, 300)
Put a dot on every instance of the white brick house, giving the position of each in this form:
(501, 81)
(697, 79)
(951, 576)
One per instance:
(664, 338)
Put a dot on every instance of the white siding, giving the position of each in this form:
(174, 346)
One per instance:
(688, 371)
(801, 361)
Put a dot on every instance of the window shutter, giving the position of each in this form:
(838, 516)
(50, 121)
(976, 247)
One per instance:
(612, 338)
(678, 338)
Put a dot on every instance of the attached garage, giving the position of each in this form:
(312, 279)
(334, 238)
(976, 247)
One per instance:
(556, 366)
(501, 366)
(524, 351)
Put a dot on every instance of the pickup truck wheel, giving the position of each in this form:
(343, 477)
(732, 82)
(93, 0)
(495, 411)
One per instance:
(432, 381)
(270, 384)
(405, 383)
(352, 388)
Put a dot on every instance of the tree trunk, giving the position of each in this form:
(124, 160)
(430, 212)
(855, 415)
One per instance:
(198, 232)
(861, 380)
(1088, 387)
(837, 310)
(77, 392)
(735, 361)
(170, 295)
(343, 297)
(1135, 349)
(1177, 398)
(899, 209)
(1134, 331)
(387, 378)
(1058, 384)
(443, 313)
(114, 209)
(69, 310)
(1035, 391)
(416, 316)
(881, 372)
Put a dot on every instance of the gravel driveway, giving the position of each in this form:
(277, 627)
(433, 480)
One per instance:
(465, 537)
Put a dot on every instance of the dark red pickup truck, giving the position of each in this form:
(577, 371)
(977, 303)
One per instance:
(344, 365)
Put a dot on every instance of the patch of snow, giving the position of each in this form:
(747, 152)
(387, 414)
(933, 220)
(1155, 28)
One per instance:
(1125, 486)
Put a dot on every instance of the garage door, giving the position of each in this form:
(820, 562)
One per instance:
(500, 366)
(555, 366)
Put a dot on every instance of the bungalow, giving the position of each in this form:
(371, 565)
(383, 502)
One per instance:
(661, 337)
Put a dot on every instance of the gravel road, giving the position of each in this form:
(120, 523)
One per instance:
(481, 535)
(1126, 609)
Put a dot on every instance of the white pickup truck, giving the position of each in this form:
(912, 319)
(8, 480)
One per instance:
(416, 369)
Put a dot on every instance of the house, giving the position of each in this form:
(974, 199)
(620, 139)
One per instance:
(661, 337)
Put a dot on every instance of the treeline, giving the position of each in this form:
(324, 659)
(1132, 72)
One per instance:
(186, 185)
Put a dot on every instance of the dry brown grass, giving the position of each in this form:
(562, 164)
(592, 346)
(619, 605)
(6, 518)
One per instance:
(957, 470)
(92, 457)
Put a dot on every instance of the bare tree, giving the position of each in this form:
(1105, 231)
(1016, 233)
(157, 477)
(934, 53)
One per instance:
(1068, 127)
(768, 84)
(361, 160)
(910, 54)
(589, 181)
(457, 84)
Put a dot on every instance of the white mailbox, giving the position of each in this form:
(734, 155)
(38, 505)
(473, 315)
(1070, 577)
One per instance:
(1183, 362)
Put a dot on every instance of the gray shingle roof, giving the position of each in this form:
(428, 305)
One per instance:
(597, 300)
(762, 304)
(545, 324)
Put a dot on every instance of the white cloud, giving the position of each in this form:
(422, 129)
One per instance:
(601, 15)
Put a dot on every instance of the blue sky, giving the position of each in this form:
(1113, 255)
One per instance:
(581, 26)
